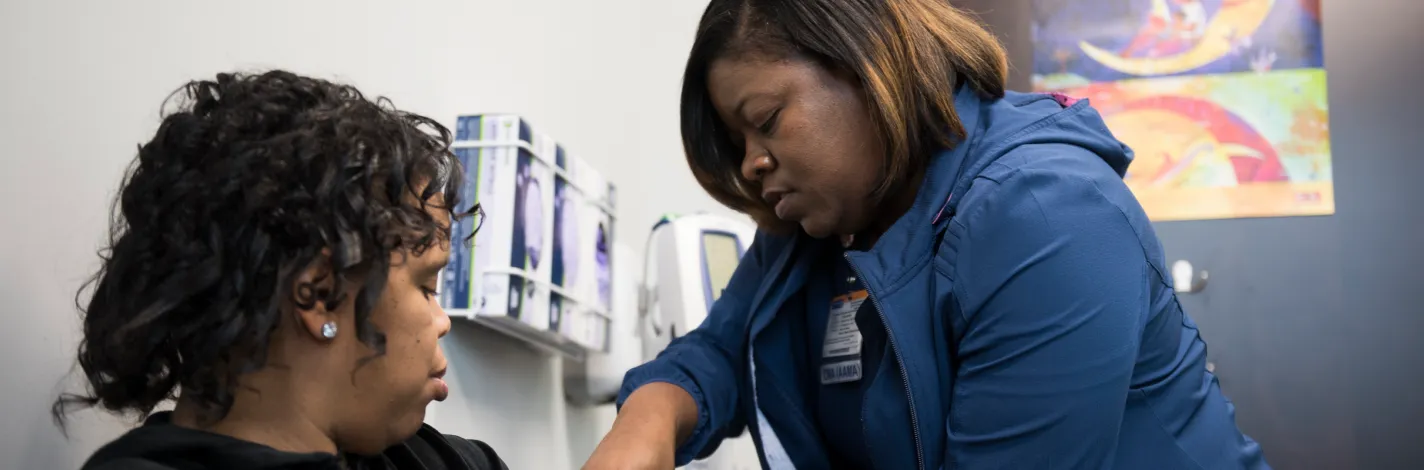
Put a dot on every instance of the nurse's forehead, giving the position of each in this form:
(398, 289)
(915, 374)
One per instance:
(733, 83)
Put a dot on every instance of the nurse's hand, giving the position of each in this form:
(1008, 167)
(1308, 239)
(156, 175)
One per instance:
(654, 419)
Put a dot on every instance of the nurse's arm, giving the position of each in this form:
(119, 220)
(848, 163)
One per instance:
(707, 365)
(1052, 284)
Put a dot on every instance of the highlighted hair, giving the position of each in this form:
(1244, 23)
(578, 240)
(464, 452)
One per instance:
(910, 57)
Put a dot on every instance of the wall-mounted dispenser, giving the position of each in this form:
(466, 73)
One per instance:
(688, 261)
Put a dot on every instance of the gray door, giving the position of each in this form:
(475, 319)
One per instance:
(1315, 325)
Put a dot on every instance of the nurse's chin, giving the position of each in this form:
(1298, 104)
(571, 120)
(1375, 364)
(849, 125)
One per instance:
(818, 229)
(815, 223)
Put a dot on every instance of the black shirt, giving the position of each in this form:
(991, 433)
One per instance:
(160, 445)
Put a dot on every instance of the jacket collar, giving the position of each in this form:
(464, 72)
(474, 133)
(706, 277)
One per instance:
(908, 239)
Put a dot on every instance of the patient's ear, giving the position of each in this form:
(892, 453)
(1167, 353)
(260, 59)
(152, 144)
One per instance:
(311, 289)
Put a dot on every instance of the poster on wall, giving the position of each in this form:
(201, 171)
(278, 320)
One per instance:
(1222, 101)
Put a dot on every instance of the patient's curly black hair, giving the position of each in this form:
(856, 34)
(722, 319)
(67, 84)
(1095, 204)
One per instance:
(248, 180)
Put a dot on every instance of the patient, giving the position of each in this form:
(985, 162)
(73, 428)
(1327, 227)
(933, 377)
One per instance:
(272, 266)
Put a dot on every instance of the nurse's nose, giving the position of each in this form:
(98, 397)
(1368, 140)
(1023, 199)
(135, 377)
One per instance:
(754, 168)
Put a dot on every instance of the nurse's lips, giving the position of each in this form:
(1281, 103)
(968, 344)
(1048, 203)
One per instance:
(776, 198)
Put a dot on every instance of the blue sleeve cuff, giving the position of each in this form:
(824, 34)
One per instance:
(657, 371)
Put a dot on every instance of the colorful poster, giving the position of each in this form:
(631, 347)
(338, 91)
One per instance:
(1222, 101)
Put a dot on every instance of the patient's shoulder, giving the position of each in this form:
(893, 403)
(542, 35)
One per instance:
(429, 449)
(133, 463)
(476, 454)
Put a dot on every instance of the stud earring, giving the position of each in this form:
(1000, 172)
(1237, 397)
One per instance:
(328, 330)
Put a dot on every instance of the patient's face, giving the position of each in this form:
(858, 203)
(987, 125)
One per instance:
(806, 136)
(385, 396)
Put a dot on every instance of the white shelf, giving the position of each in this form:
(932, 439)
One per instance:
(543, 340)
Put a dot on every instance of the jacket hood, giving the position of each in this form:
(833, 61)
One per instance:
(993, 129)
(159, 441)
(998, 127)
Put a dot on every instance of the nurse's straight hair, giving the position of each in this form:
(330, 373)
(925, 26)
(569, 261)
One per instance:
(909, 57)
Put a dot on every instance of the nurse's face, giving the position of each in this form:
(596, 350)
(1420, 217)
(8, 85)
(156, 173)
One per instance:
(808, 141)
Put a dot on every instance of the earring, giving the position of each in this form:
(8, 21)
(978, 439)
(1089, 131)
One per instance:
(328, 330)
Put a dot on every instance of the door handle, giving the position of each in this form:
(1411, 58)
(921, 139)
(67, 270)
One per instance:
(1186, 279)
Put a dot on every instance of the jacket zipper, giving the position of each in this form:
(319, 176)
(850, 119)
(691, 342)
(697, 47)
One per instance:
(899, 360)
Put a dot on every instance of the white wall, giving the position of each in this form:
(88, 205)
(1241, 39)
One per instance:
(81, 83)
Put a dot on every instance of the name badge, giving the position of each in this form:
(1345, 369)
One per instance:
(840, 372)
(840, 352)
(842, 334)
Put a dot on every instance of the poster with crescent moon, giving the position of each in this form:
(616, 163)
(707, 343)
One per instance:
(1222, 101)
(1108, 40)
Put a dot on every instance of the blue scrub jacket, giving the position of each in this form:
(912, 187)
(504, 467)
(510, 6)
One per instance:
(1031, 318)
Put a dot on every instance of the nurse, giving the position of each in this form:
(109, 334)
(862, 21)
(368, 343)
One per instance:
(947, 275)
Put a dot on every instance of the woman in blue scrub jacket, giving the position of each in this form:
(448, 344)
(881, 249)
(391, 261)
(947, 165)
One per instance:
(947, 276)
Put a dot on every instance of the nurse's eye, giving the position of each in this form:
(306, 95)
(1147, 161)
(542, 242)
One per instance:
(769, 124)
